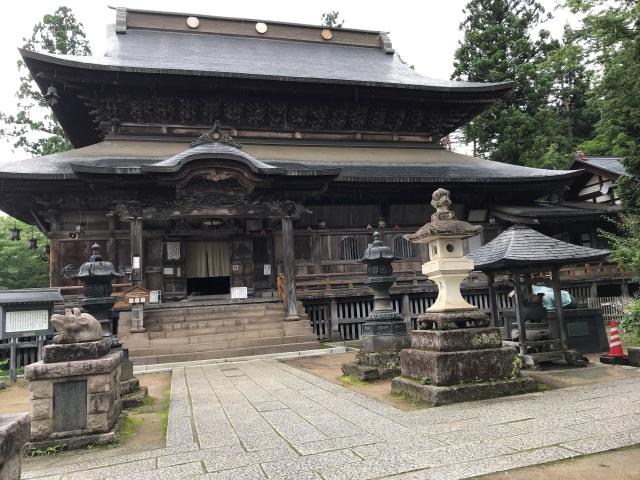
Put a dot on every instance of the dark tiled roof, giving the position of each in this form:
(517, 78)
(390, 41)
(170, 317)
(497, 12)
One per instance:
(353, 163)
(608, 164)
(30, 295)
(149, 51)
(522, 247)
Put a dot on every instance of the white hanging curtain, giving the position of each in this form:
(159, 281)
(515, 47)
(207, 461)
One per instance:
(208, 259)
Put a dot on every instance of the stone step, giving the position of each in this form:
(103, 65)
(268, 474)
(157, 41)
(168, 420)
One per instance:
(225, 353)
(175, 348)
(219, 329)
(206, 323)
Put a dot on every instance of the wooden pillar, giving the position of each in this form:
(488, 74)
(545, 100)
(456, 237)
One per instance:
(557, 299)
(289, 268)
(137, 271)
(493, 302)
(593, 291)
(624, 289)
(519, 314)
(55, 271)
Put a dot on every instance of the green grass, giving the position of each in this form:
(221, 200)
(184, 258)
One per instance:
(44, 452)
(412, 400)
(164, 413)
(349, 380)
(128, 429)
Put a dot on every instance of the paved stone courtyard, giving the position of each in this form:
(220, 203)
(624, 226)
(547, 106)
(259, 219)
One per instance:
(262, 419)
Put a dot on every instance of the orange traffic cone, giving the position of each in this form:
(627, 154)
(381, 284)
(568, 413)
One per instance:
(615, 347)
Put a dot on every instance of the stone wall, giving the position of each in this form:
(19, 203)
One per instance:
(14, 434)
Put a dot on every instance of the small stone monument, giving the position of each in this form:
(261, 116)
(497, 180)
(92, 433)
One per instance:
(454, 356)
(384, 333)
(75, 389)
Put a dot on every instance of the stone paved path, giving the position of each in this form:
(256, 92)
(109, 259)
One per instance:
(266, 420)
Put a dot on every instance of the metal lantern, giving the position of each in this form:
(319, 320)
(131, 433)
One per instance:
(33, 241)
(15, 234)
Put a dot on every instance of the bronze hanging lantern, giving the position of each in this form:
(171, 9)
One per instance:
(33, 241)
(14, 235)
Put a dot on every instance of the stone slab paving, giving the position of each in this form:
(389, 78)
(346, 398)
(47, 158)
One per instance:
(266, 420)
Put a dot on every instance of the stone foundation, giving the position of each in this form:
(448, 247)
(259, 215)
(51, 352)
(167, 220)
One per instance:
(14, 434)
(445, 366)
(442, 395)
(373, 366)
(74, 399)
(55, 353)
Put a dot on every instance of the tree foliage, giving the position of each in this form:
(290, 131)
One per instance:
(332, 19)
(33, 127)
(19, 266)
(545, 114)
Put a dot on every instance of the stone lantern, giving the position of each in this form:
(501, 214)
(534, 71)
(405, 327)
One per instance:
(97, 275)
(447, 267)
(454, 356)
(384, 333)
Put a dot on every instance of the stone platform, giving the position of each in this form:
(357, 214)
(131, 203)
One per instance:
(445, 366)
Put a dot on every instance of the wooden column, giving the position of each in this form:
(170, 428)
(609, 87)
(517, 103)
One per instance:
(557, 299)
(493, 302)
(289, 269)
(519, 314)
(333, 317)
(137, 274)
(55, 271)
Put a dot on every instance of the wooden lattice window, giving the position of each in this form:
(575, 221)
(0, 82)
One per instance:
(402, 247)
(350, 249)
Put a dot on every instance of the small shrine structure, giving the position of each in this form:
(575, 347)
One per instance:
(518, 253)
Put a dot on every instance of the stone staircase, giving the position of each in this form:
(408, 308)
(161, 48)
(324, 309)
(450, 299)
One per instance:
(182, 332)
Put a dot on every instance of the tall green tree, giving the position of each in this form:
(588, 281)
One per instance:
(611, 33)
(19, 266)
(332, 19)
(33, 127)
(542, 118)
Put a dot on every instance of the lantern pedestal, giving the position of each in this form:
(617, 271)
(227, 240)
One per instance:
(459, 365)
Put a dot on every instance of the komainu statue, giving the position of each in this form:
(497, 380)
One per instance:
(76, 327)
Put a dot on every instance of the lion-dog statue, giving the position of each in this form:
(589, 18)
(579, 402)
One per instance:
(76, 327)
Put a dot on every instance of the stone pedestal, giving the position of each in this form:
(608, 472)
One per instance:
(74, 403)
(14, 435)
(446, 366)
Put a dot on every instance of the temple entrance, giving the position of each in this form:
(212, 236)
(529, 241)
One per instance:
(208, 267)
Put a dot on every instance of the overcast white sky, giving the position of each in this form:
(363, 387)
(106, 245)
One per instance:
(425, 33)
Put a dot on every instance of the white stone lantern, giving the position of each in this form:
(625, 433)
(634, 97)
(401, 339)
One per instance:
(447, 266)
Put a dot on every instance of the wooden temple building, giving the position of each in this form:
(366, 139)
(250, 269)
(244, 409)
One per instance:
(217, 155)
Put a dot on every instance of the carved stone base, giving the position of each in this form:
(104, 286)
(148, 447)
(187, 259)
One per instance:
(441, 395)
(70, 352)
(447, 320)
(81, 441)
(373, 366)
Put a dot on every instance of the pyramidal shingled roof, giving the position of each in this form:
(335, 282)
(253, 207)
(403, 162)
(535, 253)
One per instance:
(520, 246)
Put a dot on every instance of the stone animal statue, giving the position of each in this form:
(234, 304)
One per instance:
(76, 327)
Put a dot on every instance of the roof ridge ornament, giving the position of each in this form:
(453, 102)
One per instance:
(216, 135)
